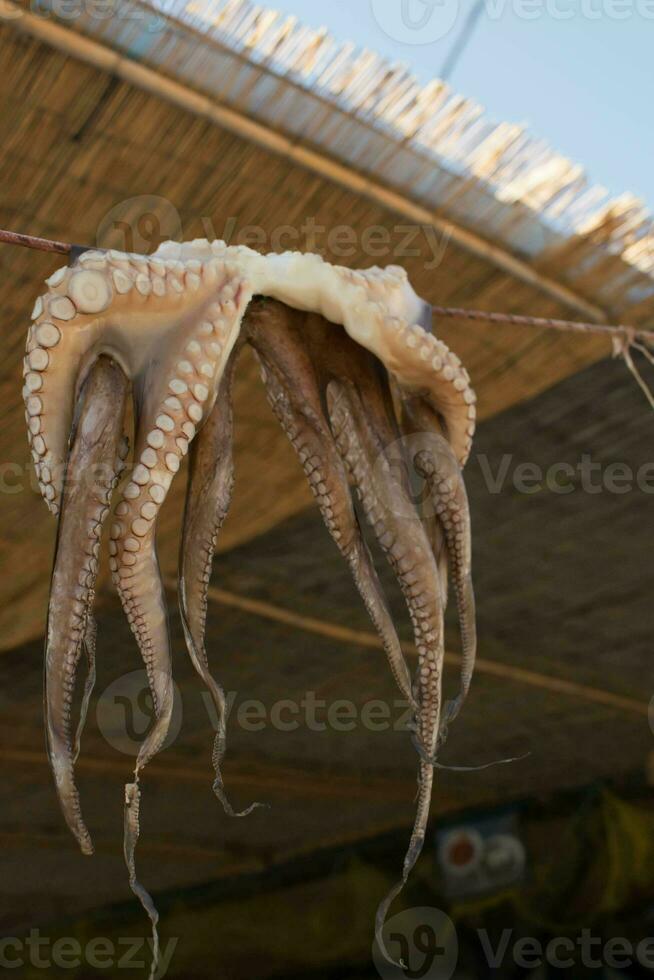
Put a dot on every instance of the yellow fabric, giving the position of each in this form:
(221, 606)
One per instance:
(603, 861)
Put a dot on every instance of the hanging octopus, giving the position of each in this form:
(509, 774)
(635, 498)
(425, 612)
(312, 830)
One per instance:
(370, 400)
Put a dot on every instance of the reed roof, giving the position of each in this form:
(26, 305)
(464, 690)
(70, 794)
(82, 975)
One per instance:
(228, 118)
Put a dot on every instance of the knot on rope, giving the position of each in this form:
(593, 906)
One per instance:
(624, 343)
(621, 341)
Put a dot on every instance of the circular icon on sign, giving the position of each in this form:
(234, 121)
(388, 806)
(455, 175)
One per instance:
(140, 225)
(415, 21)
(125, 713)
(424, 940)
(460, 851)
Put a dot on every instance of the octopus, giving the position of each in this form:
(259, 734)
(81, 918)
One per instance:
(379, 411)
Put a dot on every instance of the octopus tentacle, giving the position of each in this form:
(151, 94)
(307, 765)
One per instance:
(436, 463)
(91, 634)
(169, 405)
(416, 843)
(208, 496)
(131, 832)
(96, 438)
(330, 487)
(280, 339)
(362, 431)
(137, 577)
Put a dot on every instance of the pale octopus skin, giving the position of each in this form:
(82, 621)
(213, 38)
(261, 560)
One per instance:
(352, 371)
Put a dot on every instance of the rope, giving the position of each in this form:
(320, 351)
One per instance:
(519, 320)
(622, 347)
(29, 241)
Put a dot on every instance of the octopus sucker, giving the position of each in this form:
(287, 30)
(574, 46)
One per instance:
(369, 398)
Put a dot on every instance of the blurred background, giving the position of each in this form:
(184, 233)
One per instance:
(124, 125)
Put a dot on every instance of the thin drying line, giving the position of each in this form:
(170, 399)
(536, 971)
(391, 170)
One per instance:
(553, 323)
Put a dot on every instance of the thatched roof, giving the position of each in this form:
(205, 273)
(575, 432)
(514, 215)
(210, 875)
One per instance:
(358, 119)
(251, 121)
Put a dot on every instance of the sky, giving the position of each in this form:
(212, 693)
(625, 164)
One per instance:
(577, 73)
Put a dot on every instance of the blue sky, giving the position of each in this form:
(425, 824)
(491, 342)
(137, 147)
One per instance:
(578, 73)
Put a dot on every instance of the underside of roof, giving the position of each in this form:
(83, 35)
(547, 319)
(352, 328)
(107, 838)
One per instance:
(295, 88)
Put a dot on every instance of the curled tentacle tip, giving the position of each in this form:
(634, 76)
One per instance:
(82, 836)
(249, 809)
(398, 964)
(257, 805)
(383, 949)
(229, 809)
(69, 801)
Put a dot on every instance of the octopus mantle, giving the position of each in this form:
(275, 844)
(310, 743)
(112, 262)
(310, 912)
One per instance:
(140, 311)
